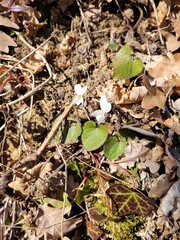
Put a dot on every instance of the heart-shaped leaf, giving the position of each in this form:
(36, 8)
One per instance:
(73, 133)
(124, 66)
(113, 148)
(93, 136)
(126, 201)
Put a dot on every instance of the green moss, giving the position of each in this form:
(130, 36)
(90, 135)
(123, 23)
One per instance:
(123, 228)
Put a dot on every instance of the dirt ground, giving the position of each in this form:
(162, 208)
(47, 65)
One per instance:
(58, 182)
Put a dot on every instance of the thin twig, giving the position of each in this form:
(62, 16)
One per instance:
(54, 129)
(85, 22)
(157, 19)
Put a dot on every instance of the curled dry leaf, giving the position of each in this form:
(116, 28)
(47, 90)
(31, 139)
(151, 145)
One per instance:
(134, 95)
(51, 222)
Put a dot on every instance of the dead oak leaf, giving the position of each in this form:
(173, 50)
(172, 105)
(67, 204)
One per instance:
(150, 101)
(164, 67)
(4, 21)
(172, 43)
(5, 42)
(51, 222)
(20, 185)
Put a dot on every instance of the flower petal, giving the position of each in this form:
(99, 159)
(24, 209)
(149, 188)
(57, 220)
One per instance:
(83, 90)
(100, 118)
(77, 100)
(80, 90)
(105, 105)
(96, 113)
(99, 115)
(77, 89)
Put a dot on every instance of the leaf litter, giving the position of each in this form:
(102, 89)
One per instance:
(126, 170)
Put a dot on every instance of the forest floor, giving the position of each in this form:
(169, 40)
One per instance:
(89, 119)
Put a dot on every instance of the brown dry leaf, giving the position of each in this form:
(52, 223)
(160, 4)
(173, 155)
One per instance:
(162, 11)
(50, 222)
(65, 47)
(4, 21)
(5, 42)
(165, 67)
(132, 153)
(29, 20)
(35, 61)
(160, 186)
(150, 101)
(152, 165)
(173, 123)
(134, 95)
(172, 42)
(20, 185)
(176, 26)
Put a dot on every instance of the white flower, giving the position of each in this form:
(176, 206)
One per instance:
(78, 99)
(105, 108)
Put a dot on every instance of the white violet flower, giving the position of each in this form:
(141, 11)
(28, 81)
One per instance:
(78, 99)
(105, 108)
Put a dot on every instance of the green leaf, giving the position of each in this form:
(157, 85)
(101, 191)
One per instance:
(76, 166)
(113, 46)
(54, 202)
(124, 66)
(93, 137)
(73, 133)
(88, 187)
(126, 201)
(113, 148)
